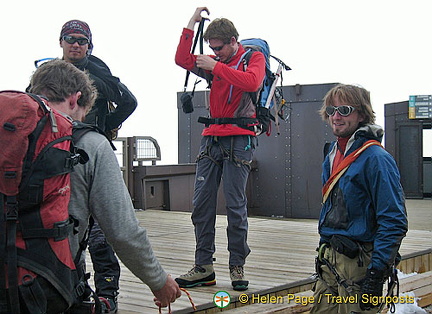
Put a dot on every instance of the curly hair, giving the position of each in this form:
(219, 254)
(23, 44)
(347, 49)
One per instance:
(352, 95)
(58, 79)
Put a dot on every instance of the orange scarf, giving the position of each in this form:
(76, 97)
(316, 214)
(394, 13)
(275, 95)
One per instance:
(341, 146)
(342, 167)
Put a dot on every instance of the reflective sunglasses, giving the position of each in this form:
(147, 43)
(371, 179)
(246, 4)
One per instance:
(344, 111)
(218, 48)
(72, 40)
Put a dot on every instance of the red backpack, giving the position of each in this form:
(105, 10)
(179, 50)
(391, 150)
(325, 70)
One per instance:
(37, 156)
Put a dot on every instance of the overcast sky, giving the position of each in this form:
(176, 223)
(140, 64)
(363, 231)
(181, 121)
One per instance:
(383, 45)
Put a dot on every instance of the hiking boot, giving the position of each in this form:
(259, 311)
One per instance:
(238, 280)
(109, 305)
(199, 275)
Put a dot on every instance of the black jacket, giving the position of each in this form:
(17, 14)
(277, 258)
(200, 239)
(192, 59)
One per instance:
(110, 90)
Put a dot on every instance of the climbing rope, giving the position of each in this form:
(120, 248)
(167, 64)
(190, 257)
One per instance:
(190, 300)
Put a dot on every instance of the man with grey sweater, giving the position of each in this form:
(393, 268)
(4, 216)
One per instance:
(70, 91)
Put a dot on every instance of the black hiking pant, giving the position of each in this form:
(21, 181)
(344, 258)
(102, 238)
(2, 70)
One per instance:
(105, 264)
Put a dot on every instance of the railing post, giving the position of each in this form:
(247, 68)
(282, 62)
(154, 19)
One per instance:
(130, 157)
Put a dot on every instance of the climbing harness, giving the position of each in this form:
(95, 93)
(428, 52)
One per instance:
(227, 153)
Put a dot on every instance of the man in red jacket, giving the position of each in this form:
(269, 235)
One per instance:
(226, 147)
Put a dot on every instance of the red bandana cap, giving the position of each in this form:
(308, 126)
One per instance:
(78, 27)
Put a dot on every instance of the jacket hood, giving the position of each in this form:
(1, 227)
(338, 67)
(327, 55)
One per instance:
(370, 131)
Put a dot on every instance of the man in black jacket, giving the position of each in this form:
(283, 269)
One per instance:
(115, 103)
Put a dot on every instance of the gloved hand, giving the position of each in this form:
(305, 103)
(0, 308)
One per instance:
(371, 289)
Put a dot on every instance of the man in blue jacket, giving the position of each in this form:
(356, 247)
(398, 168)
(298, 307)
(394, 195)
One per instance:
(363, 218)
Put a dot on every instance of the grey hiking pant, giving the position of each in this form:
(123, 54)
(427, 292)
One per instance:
(227, 158)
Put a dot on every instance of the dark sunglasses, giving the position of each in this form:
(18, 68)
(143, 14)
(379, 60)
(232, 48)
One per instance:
(218, 48)
(72, 40)
(344, 111)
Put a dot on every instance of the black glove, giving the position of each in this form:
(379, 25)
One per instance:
(371, 289)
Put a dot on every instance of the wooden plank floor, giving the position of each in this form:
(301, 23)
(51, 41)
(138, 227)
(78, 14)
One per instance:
(283, 251)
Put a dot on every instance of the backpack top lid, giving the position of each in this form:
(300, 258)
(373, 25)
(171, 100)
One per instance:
(260, 45)
(18, 118)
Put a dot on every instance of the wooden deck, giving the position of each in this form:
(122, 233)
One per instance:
(283, 252)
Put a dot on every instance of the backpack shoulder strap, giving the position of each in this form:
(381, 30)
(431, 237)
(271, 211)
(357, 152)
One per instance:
(81, 128)
(245, 59)
(198, 37)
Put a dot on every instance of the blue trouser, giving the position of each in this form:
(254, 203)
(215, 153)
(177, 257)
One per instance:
(227, 158)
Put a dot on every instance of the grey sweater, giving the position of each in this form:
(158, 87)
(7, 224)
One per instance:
(98, 189)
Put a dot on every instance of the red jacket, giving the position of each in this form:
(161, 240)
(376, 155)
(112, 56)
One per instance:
(225, 76)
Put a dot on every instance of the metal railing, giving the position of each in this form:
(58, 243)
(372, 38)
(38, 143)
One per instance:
(136, 150)
(146, 149)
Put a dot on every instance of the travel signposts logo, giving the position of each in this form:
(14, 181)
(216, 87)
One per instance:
(221, 299)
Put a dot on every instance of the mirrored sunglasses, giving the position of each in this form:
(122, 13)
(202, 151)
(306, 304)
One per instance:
(72, 40)
(343, 110)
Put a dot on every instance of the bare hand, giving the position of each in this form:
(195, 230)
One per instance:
(196, 17)
(205, 62)
(168, 294)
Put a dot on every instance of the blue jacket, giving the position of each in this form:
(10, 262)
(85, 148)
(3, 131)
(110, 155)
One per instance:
(367, 204)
